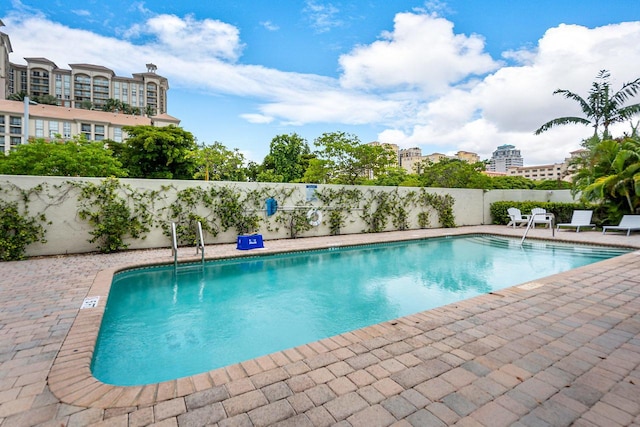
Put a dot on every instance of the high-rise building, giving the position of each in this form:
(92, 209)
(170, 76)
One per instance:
(89, 100)
(86, 86)
(505, 157)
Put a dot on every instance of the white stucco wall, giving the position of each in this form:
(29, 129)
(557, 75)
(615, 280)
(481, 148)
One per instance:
(67, 233)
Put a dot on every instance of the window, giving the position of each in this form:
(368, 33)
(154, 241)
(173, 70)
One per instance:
(134, 95)
(66, 132)
(15, 125)
(117, 134)
(15, 140)
(39, 128)
(53, 129)
(85, 129)
(99, 133)
(2, 148)
(2, 125)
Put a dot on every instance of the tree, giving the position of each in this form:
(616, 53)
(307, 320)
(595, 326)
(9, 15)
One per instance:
(19, 96)
(318, 172)
(287, 157)
(217, 163)
(113, 105)
(77, 157)
(349, 161)
(159, 152)
(601, 108)
(397, 176)
(46, 99)
(510, 182)
(454, 173)
(612, 176)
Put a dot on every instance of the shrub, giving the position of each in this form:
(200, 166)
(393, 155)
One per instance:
(17, 231)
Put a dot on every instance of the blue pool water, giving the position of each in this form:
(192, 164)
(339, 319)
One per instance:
(159, 325)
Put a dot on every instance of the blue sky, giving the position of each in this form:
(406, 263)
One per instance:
(443, 76)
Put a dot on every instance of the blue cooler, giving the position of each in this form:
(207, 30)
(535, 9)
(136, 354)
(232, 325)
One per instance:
(252, 241)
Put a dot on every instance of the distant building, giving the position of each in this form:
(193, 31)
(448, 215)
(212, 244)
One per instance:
(410, 158)
(556, 171)
(505, 157)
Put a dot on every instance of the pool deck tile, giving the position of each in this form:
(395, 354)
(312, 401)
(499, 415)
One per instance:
(560, 350)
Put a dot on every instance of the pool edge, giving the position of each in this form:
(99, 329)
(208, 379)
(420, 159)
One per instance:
(71, 381)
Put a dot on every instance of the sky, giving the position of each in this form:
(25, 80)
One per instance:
(440, 75)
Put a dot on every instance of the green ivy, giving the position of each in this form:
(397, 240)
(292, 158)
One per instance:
(340, 203)
(18, 230)
(232, 211)
(184, 212)
(400, 206)
(295, 220)
(376, 211)
(443, 206)
(113, 217)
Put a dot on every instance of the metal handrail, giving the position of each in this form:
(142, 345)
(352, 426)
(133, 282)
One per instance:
(532, 220)
(174, 247)
(200, 244)
(174, 244)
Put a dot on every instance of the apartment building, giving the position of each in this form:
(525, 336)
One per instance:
(505, 157)
(411, 158)
(556, 171)
(85, 86)
(20, 121)
(80, 93)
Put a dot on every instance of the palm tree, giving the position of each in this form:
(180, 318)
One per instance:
(600, 108)
(615, 176)
(19, 96)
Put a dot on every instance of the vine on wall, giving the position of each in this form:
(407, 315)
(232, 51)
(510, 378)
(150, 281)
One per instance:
(186, 212)
(18, 229)
(443, 206)
(117, 212)
(340, 203)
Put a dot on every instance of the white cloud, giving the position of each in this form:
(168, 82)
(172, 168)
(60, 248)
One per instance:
(422, 52)
(322, 16)
(81, 12)
(207, 38)
(270, 26)
(257, 118)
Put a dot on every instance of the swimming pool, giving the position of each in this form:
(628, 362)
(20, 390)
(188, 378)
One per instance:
(159, 325)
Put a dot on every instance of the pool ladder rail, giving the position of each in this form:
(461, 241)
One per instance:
(174, 244)
(549, 215)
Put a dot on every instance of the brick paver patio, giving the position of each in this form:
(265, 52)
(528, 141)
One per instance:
(563, 350)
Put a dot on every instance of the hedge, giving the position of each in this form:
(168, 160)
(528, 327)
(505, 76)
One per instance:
(562, 211)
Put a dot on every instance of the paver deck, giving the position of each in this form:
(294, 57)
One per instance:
(563, 350)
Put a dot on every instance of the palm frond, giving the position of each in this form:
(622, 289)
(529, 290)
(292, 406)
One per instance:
(561, 121)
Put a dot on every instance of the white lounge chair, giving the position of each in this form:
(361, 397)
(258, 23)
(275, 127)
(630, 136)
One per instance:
(628, 222)
(516, 218)
(578, 219)
(540, 216)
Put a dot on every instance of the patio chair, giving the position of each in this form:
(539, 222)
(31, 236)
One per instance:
(516, 218)
(628, 223)
(540, 216)
(578, 219)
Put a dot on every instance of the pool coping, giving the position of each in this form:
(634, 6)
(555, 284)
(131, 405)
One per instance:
(70, 378)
